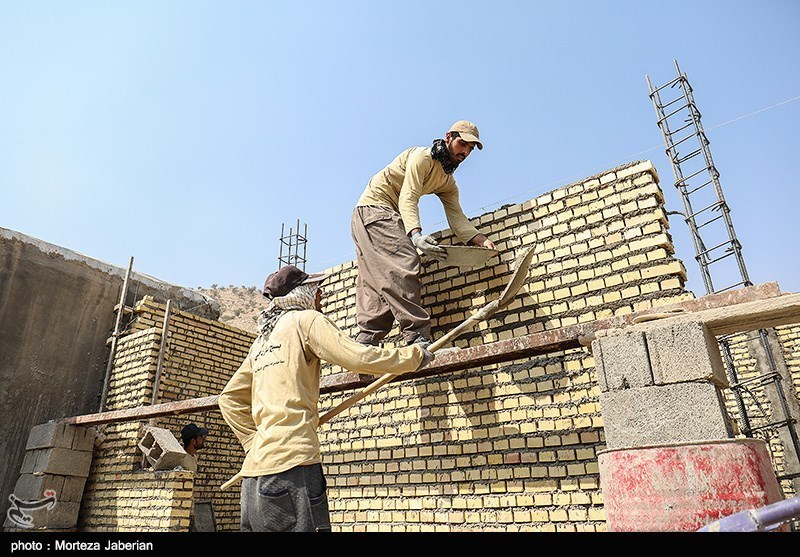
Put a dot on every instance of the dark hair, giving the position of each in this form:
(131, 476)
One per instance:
(454, 134)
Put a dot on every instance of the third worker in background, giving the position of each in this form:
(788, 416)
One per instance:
(387, 232)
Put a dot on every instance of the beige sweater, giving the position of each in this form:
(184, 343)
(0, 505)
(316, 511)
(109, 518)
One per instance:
(270, 403)
(412, 174)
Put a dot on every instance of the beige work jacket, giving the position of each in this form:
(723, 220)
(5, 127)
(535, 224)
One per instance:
(270, 403)
(412, 174)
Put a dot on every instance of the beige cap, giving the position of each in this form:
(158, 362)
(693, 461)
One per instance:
(467, 131)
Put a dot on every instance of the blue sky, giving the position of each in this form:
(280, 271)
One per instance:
(185, 133)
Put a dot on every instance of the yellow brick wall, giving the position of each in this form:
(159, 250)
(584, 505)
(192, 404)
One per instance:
(508, 447)
(790, 340)
(119, 495)
(140, 501)
(200, 356)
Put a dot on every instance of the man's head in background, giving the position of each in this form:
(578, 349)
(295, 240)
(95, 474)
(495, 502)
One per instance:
(193, 437)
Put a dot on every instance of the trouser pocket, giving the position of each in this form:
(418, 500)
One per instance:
(320, 514)
(276, 508)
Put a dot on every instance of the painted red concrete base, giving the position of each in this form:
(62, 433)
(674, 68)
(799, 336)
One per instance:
(683, 487)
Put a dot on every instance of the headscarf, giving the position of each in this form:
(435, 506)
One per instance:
(440, 153)
(301, 297)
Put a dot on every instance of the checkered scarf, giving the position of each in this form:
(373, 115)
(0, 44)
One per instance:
(440, 153)
(301, 297)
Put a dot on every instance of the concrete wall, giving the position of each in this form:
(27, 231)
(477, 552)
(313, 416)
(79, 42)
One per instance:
(56, 314)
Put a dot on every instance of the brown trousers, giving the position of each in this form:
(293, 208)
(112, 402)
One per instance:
(388, 286)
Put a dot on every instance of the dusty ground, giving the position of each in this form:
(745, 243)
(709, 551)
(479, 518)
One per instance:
(238, 305)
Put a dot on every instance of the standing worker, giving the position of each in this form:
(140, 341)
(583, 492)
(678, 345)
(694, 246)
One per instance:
(387, 232)
(271, 401)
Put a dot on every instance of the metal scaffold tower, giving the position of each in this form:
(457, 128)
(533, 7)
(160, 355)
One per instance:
(708, 217)
(295, 245)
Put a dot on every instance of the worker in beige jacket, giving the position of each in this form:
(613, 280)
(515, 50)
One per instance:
(270, 403)
(387, 232)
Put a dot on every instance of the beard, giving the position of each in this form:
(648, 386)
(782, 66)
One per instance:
(441, 153)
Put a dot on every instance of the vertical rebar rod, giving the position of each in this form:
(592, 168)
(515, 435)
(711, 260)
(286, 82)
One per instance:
(734, 379)
(294, 242)
(699, 247)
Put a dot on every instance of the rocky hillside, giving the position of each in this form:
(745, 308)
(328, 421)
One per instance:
(238, 305)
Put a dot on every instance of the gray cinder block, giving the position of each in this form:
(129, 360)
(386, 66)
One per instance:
(57, 516)
(621, 361)
(31, 487)
(62, 462)
(73, 489)
(676, 413)
(161, 449)
(51, 434)
(84, 439)
(29, 461)
(685, 351)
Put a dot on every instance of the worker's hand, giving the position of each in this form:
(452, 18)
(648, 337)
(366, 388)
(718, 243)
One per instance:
(429, 246)
(427, 357)
(488, 244)
(482, 242)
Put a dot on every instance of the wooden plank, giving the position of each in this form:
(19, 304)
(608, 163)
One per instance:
(740, 318)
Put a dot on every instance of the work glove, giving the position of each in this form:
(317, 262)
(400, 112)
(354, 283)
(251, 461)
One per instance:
(429, 246)
(427, 357)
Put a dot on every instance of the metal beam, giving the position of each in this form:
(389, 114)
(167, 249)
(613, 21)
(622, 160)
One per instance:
(762, 303)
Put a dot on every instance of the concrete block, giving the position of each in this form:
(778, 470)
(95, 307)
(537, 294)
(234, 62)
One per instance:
(72, 492)
(621, 361)
(31, 487)
(161, 449)
(675, 413)
(84, 439)
(29, 461)
(51, 434)
(50, 516)
(63, 462)
(685, 351)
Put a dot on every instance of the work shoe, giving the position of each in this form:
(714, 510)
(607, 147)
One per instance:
(421, 339)
(362, 339)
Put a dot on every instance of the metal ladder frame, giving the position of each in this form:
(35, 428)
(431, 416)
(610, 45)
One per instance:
(697, 219)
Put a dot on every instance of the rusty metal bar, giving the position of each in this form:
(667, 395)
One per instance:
(143, 412)
(527, 346)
